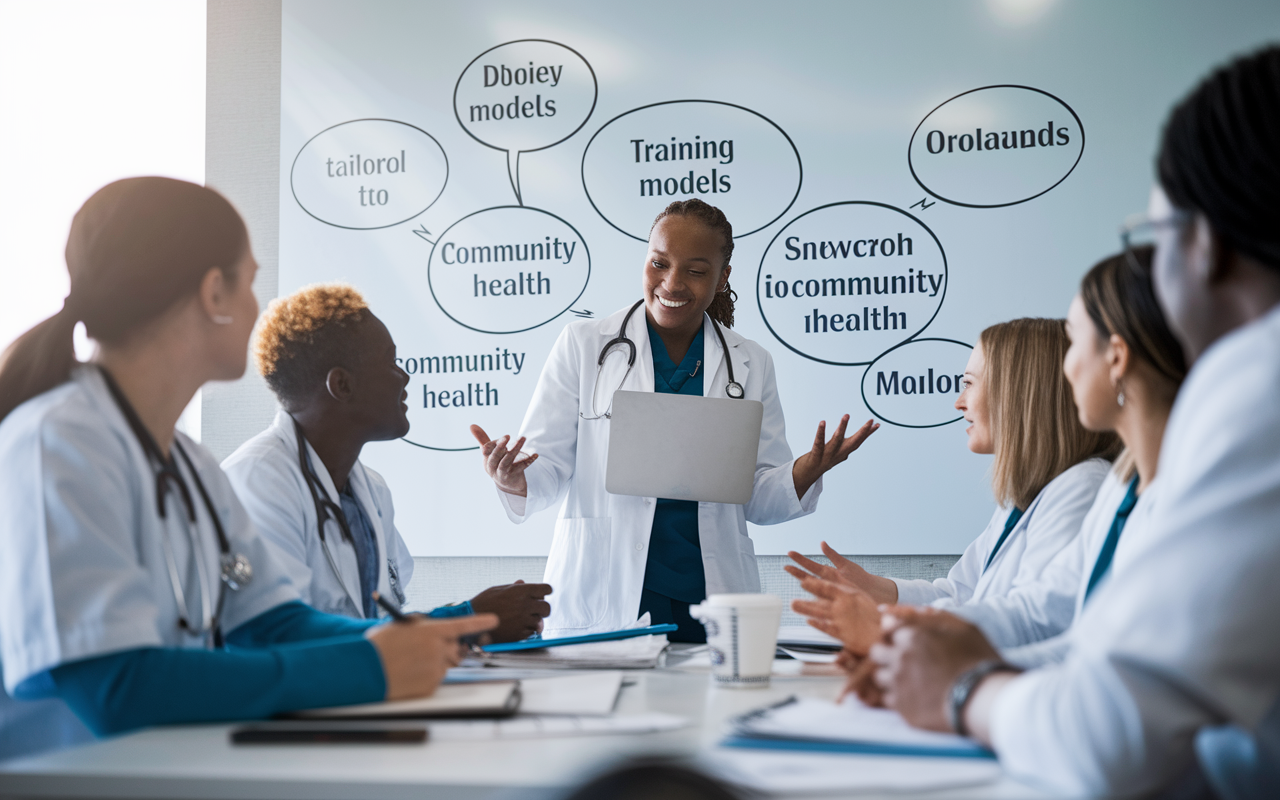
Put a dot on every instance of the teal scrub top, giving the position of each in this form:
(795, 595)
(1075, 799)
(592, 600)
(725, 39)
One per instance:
(674, 566)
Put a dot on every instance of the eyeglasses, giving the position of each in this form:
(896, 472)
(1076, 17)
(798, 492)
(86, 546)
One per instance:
(1139, 230)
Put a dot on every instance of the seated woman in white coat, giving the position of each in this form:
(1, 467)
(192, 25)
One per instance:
(616, 557)
(1047, 472)
(1124, 366)
(1176, 655)
(332, 365)
(132, 583)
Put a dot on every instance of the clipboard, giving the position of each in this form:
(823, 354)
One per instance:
(606, 636)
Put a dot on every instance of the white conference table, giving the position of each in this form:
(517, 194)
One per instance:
(198, 761)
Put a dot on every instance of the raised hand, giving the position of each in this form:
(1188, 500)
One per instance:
(844, 612)
(825, 453)
(842, 570)
(416, 654)
(519, 606)
(502, 463)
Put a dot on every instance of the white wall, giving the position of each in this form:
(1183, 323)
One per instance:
(89, 92)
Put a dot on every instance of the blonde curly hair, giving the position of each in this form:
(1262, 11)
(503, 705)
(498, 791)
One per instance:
(302, 336)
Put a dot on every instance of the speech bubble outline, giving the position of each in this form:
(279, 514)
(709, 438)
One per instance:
(441, 238)
(1055, 98)
(303, 149)
(760, 272)
(794, 149)
(513, 161)
(862, 384)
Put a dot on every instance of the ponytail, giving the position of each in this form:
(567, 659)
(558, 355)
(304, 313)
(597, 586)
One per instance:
(721, 309)
(136, 248)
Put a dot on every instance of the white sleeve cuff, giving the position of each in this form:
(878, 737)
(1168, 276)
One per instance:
(514, 504)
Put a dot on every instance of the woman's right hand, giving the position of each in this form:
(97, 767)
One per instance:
(501, 462)
(416, 654)
(842, 570)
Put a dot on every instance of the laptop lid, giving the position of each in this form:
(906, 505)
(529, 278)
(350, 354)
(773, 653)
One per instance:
(683, 447)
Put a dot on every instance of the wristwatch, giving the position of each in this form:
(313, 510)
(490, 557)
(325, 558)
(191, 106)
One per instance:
(963, 688)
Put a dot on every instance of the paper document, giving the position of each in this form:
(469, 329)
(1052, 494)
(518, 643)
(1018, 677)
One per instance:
(496, 699)
(815, 773)
(539, 727)
(807, 724)
(582, 693)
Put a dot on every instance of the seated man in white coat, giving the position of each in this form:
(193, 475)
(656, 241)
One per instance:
(332, 365)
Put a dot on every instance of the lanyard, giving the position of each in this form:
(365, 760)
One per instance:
(1108, 551)
(1009, 525)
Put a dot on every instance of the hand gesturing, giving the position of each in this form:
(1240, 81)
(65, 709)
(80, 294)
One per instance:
(502, 463)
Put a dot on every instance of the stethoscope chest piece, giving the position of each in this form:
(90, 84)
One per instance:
(735, 390)
(237, 572)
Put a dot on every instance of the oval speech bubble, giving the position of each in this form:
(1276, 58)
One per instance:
(369, 173)
(523, 96)
(844, 282)
(915, 385)
(996, 146)
(732, 157)
(508, 269)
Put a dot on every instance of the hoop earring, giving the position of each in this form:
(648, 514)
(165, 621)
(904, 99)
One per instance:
(223, 319)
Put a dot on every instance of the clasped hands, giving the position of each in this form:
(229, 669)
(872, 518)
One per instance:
(900, 657)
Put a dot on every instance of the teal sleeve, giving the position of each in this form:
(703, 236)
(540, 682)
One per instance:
(295, 622)
(167, 686)
(462, 609)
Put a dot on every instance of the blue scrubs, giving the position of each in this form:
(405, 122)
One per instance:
(673, 576)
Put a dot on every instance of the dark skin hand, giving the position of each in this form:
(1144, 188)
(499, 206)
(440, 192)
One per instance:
(520, 608)
(364, 402)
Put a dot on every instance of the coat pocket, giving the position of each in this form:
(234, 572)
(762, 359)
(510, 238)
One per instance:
(578, 569)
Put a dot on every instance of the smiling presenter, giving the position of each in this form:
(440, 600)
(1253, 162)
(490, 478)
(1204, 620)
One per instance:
(615, 557)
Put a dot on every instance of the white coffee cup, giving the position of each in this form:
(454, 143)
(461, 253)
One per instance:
(742, 634)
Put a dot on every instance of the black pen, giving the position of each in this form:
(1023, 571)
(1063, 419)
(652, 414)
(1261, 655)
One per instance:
(391, 610)
(471, 641)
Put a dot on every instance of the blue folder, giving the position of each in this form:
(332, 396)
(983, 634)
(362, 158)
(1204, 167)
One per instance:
(864, 748)
(607, 636)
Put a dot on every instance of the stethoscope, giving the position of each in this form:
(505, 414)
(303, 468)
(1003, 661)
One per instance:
(236, 571)
(733, 390)
(326, 509)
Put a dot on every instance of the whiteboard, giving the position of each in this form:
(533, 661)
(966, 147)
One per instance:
(899, 176)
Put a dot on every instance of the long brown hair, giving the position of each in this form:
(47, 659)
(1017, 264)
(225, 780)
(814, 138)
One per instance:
(136, 248)
(1120, 299)
(1034, 422)
(721, 308)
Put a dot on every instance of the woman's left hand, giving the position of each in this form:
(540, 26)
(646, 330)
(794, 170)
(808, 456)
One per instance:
(844, 612)
(827, 453)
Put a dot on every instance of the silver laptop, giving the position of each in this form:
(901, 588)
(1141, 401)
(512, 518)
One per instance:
(683, 447)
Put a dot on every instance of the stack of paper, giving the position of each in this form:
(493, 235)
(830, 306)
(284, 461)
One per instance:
(807, 643)
(808, 745)
(542, 726)
(496, 699)
(819, 726)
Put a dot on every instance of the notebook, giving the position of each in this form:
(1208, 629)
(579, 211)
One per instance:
(495, 699)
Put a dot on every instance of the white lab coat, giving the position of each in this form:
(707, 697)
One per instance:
(601, 543)
(268, 479)
(82, 566)
(1019, 599)
(1085, 551)
(1183, 634)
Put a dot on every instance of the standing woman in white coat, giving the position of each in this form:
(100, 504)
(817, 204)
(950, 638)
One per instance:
(616, 557)
(127, 566)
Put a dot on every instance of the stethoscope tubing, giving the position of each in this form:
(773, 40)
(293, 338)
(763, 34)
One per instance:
(733, 389)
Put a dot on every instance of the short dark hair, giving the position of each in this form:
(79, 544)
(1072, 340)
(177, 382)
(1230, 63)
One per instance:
(303, 336)
(1220, 154)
